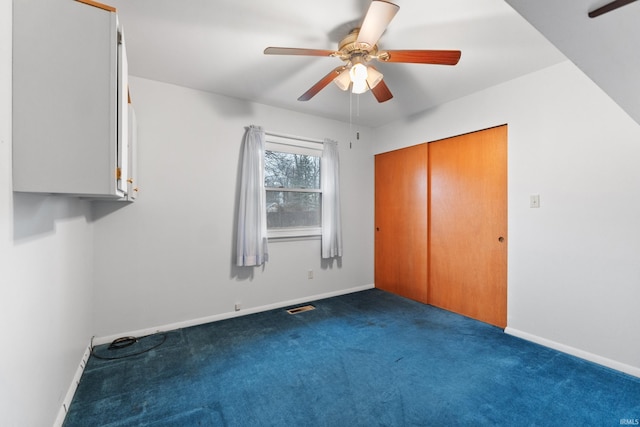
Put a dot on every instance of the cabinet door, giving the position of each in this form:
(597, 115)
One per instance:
(401, 222)
(65, 95)
(123, 115)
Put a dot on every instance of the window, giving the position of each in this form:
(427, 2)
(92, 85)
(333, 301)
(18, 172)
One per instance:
(292, 183)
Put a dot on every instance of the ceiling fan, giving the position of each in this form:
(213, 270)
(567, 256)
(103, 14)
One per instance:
(359, 48)
(609, 7)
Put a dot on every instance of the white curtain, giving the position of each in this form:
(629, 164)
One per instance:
(252, 214)
(331, 223)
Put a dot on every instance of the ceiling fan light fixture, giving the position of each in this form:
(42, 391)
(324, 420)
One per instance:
(359, 87)
(343, 81)
(358, 74)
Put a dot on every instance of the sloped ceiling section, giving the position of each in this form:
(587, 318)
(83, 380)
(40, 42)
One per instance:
(606, 48)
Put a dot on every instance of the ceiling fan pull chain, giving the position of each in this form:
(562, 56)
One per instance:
(350, 117)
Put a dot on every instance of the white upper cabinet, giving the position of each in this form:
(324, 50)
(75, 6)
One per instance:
(70, 100)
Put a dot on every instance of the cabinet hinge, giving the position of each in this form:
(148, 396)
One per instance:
(118, 173)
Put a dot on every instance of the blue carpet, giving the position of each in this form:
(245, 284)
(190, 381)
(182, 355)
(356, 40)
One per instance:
(363, 359)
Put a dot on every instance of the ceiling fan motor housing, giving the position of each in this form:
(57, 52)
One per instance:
(350, 48)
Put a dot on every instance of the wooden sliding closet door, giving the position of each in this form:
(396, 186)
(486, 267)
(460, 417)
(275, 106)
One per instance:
(401, 222)
(468, 225)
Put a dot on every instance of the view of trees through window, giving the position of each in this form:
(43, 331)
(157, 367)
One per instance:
(293, 190)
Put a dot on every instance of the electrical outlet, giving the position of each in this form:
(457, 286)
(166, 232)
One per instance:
(238, 306)
(310, 274)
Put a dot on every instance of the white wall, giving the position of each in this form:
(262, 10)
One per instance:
(45, 282)
(574, 263)
(168, 258)
(573, 266)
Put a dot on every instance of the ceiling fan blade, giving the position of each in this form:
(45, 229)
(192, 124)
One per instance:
(440, 57)
(609, 7)
(378, 16)
(298, 51)
(381, 92)
(321, 84)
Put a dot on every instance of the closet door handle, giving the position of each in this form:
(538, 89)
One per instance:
(500, 239)
(377, 228)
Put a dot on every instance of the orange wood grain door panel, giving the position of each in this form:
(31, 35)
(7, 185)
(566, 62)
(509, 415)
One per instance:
(468, 225)
(401, 222)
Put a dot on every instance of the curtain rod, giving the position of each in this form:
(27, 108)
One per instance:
(299, 138)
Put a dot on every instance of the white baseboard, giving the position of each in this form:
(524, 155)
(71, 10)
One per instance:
(609, 363)
(62, 413)
(228, 315)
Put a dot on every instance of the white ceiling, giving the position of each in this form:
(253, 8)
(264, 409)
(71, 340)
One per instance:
(217, 46)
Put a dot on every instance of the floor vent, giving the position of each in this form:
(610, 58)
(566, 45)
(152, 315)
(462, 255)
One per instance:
(300, 309)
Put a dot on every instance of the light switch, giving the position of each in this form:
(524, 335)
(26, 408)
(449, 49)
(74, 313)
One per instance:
(534, 201)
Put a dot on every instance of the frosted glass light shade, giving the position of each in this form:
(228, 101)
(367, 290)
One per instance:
(373, 77)
(358, 74)
(343, 80)
(359, 87)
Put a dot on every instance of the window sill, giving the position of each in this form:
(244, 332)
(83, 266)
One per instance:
(294, 234)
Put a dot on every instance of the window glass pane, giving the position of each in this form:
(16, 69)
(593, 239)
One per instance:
(293, 209)
(287, 170)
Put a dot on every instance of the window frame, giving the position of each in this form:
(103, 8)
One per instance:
(294, 145)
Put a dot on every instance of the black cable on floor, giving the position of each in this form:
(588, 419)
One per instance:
(125, 342)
